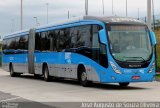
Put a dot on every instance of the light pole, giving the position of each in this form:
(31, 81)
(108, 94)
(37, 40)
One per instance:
(103, 6)
(86, 7)
(153, 14)
(149, 15)
(126, 8)
(21, 15)
(47, 11)
(112, 8)
(68, 14)
(138, 13)
(36, 21)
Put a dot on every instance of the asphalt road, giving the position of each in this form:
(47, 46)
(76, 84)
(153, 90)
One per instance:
(28, 89)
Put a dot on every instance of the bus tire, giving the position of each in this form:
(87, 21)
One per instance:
(47, 77)
(37, 76)
(124, 84)
(12, 73)
(83, 78)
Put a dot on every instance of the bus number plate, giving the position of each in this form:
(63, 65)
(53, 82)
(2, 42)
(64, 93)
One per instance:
(135, 77)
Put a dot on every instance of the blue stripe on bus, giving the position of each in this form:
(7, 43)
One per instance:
(106, 75)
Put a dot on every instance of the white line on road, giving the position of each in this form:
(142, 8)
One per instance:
(10, 99)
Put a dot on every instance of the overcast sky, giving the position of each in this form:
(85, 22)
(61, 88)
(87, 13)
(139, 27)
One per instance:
(58, 9)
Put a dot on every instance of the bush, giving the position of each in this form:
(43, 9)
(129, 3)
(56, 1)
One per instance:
(157, 33)
(158, 57)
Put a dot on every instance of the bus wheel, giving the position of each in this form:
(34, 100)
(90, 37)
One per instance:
(124, 84)
(36, 76)
(46, 74)
(83, 78)
(12, 73)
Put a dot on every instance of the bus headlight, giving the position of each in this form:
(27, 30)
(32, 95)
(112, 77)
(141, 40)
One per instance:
(152, 67)
(115, 68)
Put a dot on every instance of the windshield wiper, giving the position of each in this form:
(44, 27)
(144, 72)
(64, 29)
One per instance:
(135, 59)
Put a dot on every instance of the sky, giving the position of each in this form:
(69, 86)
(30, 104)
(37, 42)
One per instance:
(58, 11)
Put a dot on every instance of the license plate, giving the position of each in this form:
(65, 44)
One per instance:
(135, 77)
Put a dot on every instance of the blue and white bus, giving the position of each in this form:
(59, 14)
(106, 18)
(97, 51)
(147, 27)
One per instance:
(89, 49)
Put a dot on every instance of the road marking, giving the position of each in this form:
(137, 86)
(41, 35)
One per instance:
(10, 99)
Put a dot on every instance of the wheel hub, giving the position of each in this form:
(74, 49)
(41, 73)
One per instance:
(84, 76)
(45, 74)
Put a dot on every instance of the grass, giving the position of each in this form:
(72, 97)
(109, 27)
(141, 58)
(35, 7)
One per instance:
(158, 76)
(158, 58)
(157, 33)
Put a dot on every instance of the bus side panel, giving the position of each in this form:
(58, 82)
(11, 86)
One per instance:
(56, 64)
(51, 58)
(18, 62)
(5, 64)
(77, 59)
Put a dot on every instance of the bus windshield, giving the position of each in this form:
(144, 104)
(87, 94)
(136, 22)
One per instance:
(130, 43)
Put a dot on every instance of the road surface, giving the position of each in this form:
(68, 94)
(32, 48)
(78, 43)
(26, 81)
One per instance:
(27, 88)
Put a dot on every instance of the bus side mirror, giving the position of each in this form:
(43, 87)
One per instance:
(102, 36)
(153, 38)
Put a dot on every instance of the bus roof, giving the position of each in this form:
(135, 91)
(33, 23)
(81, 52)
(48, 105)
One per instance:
(108, 20)
(111, 20)
(18, 33)
(116, 20)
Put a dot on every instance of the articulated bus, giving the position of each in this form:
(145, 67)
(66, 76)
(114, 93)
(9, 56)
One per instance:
(88, 49)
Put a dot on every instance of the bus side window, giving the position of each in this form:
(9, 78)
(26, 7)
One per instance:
(95, 44)
(61, 39)
(73, 35)
(84, 36)
(22, 42)
(99, 54)
(37, 42)
(4, 46)
(67, 38)
(56, 40)
(26, 42)
(17, 43)
(79, 37)
(11, 43)
(50, 35)
(45, 41)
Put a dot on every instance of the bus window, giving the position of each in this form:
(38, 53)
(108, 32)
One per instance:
(37, 42)
(50, 35)
(67, 38)
(80, 37)
(61, 40)
(98, 50)
(26, 42)
(17, 43)
(4, 46)
(95, 44)
(55, 40)
(22, 42)
(45, 42)
(73, 35)
(84, 36)
(10, 43)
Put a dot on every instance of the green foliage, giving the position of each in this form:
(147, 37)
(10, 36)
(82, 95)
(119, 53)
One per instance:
(0, 60)
(158, 57)
(158, 76)
(157, 33)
